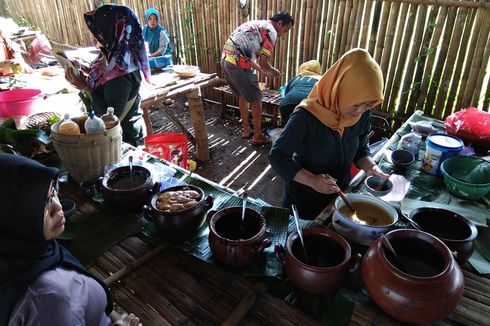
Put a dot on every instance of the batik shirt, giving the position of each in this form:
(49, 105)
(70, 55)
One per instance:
(256, 37)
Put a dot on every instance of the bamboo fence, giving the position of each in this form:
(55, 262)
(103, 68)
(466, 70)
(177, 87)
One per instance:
(434, 54)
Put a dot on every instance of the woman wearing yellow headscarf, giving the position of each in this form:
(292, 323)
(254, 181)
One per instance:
(299, 87)
(327, 132)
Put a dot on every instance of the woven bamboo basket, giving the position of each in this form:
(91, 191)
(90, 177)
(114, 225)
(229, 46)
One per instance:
(85, 156)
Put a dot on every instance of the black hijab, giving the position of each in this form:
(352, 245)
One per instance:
(24, 252)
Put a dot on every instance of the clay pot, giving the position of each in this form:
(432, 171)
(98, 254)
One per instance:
(182, 224)
(329, 257)
(423, 285)
(456, 231)
(365, 205)
(125, 192)
(233, 243)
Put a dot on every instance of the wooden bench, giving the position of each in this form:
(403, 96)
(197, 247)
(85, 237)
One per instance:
(270, 102)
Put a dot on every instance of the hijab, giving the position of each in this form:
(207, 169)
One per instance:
(310, 68)
(152, 35)
(118, 31)
(354, 79)
(24, 252)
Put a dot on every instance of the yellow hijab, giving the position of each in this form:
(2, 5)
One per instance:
(310, 68)
(354, 79)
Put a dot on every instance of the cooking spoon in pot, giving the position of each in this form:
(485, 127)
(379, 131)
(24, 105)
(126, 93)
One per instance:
(300, 232)
(131, 169)
(244, 208)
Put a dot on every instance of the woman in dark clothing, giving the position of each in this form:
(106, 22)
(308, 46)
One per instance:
(327, 133)
(40, 281)
(114, 79)
(299, 87)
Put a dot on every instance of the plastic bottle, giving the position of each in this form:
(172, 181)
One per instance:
(80, 120)
(68, 127)
(110, 119)
(411, 142)
(94, 124)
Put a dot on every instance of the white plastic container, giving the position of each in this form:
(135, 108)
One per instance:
(438, 148)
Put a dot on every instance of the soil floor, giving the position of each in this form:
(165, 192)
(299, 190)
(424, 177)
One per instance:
(234, 163)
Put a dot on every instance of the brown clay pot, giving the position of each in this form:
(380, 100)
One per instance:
(127, 193)
(456, 231)
(422, 285)
(181, 224)
(329, 259)
(233, 243)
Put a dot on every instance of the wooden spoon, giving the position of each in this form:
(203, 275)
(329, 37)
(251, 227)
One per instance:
(342, 195)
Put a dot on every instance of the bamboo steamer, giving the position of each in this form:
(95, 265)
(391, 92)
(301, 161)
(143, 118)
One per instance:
(85, 156)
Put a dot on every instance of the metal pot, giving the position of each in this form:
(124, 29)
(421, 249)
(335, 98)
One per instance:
(329, 260)
(233, 243)
(363, 234)
(422, 285)
(181, 224)
(126, 192)
(456, 231)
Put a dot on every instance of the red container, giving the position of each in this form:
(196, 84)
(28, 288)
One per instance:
(22, 101)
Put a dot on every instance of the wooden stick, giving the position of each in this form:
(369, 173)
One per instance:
(245, 305)
(135, 264)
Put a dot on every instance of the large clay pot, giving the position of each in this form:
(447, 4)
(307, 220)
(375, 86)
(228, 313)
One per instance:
(422, 285)
(181, 224)
(329, 257)
(125, 192)
(363, 234)
(456, 231)
(234, 243)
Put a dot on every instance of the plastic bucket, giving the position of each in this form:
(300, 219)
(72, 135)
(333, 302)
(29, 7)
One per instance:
(438, 148)
(18, 102)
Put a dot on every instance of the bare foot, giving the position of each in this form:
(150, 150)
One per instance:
(128, 320)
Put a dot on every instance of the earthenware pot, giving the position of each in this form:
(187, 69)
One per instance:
(126, 192)
(383, 215)
(422, 285)
(234, 243)
(455, 230)
(329, 260)
(181, 224)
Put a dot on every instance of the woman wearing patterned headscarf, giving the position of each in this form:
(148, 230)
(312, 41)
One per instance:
(155, 34)
(327, 132)
(114, 79)
(299, 87)
(40, 281)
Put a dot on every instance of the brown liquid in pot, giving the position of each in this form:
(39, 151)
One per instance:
(230, 227)
(124, 181)
(367, 213)
(322, 251)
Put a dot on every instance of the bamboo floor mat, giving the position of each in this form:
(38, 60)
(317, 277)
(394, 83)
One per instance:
(175, 288)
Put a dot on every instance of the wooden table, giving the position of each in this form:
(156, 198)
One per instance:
(173, 87)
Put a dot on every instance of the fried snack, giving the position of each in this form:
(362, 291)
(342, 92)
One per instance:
(174, 201)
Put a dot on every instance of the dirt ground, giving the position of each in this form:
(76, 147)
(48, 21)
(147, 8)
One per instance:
(234, 162)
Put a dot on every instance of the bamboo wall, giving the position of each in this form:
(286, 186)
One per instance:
(434, 54)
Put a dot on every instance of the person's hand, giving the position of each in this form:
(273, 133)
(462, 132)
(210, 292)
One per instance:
(273, 72)
(325, 184)
(77, 81)
(127, 320)
(375, 170)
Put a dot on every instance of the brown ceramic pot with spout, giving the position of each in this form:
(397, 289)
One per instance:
(329, 260)
(422, 284)
(234, 243)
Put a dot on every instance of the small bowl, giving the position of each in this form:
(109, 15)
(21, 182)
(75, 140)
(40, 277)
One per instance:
(378, 186)
(402, 158)
(68, 206)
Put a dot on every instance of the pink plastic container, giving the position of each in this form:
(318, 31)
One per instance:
(18, 102)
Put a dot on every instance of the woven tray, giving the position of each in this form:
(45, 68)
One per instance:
(185, 71)
(37, 120)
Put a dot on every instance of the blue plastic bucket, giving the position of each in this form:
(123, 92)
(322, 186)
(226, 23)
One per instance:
(438, 148)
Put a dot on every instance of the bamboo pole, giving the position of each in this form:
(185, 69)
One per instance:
(356, 31)
(422, 56)
(380, 44)
(389, 38)
(437, 79)
(449, 66)
(446, 3)
(339, 31)
(328, 35)
(476, 63)
(374, 27)
(366, 24)
(481, 76)
(409, 81)
(352, 10)
(426, 79)
(345, 27)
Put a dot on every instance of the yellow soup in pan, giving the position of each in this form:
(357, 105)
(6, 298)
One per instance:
(367, 214)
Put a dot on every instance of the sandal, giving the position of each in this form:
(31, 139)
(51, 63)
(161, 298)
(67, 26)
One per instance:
(250, 135)
(264, 141)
